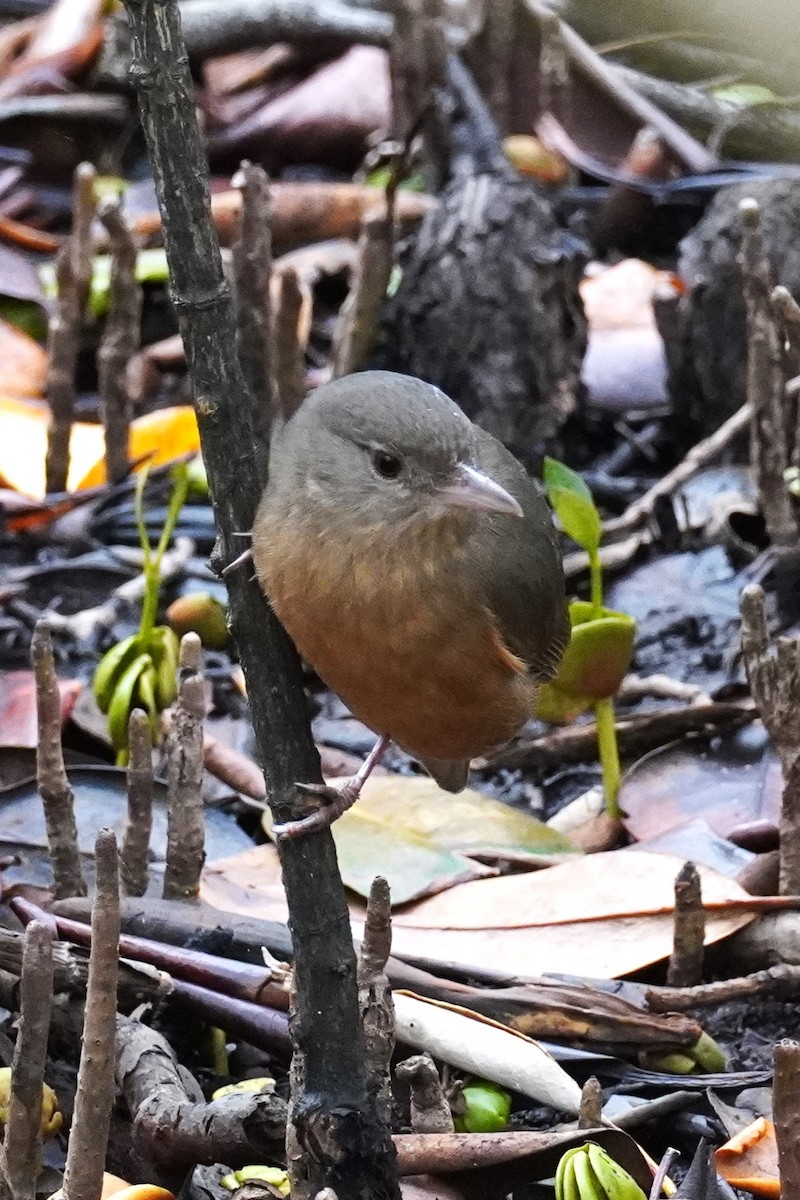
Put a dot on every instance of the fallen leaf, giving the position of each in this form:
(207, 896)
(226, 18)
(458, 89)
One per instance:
(733, 784)
(601, 916)
(24, 368)
(521, 1155)
(19, 724)
(750, 1159)
(485, 1049)
(161, 436)
(328, 117)
(164, 435)
(400, 806)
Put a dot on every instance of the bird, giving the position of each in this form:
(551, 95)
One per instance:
(415, 565)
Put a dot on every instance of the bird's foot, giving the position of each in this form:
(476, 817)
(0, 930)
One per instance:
(332, 801)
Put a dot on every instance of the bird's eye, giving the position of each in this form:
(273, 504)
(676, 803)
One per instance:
(387, 465)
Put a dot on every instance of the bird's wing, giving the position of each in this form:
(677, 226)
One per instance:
(518, 569)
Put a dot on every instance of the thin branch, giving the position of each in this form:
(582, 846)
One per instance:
(252, 267)
(287, 353)
(120, 341)
(360, 313)
(786, 1114)
(134, 854)
(23, 1138)
(185, 820)
(51, 774)
(765, 383)
(773, 673)
(73, 275)
(688, 945)
(86, 1153)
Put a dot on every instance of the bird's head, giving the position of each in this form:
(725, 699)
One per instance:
(377, 449)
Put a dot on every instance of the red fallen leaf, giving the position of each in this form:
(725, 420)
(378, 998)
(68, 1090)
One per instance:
(18, 721)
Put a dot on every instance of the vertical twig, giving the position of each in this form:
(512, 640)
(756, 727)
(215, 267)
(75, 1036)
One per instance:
(786, 1115)
(252, 267)
(765, 383)
(185, 828)
(73, 276)
(360, 313)
(287, 354)
(86, 1153)
(774, 678)
(590, 1115)
(497, 42)
(134, 855)
(344, 1145)
(24, 1129)
(51, 775)
(375, 995)
(120, 340)
(688, 943)
(430, 1110)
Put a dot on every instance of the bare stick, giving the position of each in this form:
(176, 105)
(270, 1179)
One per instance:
(765, 383)
(591, 1110)
(120, 340)
(360, 313)
(774, 677)
(786, 1114)
(697, 458)
(375, 994)
(287, 355)
(86, 1154)
(139, 821)
(24, 1131)
(686, 960)
(328, 1038)
(252, 266)
(430, 1111)
(51, 775)
(73, 274)
(668, 1158)
(185, 828)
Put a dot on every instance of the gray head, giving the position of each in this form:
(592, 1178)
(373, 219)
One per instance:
(376, 447)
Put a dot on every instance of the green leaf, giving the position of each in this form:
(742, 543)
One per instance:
(745, 95)
(573, 503)
(593, 665)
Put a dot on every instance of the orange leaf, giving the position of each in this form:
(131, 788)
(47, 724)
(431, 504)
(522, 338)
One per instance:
(24, 369)
(163, 436)
(167, 434)
(750, 1159)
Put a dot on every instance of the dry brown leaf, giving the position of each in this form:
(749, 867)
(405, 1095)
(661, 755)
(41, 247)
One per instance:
(596, 908)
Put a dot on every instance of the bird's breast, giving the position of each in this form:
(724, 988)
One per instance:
(399, 636)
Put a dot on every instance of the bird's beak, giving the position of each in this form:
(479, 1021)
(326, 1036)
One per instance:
(470, 488)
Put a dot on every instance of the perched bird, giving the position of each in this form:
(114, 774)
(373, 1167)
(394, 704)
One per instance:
(414, 563)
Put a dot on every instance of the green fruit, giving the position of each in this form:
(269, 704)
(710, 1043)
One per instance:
(276, 1176)
(614, 1180)
(124, 700)
(165, 649)
(200, 613)
(488, 1108)
(588, 1173)
(708, 1055)
(111, 667)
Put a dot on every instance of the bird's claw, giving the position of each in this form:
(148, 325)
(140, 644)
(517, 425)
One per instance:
(332, 802)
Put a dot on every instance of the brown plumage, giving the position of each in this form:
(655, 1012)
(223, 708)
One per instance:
(389, 543)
